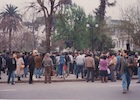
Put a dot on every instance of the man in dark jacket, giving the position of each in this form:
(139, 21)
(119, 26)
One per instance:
(126, 70)
(31, 64)
(11, 65)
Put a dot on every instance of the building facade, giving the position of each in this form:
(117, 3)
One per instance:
(120, 37)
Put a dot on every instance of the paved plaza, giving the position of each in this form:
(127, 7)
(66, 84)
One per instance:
(70, 91)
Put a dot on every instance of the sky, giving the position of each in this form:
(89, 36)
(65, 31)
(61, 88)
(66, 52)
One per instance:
(88, 5)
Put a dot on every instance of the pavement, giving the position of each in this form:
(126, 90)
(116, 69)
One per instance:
(69, 91)
(70, 78)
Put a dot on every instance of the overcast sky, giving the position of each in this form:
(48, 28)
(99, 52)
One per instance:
(88, 5)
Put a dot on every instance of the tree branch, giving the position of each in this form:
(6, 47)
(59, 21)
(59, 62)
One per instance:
(42, 6)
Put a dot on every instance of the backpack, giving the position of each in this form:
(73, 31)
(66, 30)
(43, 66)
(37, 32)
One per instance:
(62, 59)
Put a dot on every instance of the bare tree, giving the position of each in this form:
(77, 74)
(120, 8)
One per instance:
(49, 10)
(131, 23)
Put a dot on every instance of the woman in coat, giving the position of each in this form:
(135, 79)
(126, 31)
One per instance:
(38, 65)
(20, 66)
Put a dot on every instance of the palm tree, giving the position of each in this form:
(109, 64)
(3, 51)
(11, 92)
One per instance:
(10, 21)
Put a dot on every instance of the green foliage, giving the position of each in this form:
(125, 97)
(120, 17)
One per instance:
(71, 25)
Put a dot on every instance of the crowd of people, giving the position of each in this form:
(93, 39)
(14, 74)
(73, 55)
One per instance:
(105, 65)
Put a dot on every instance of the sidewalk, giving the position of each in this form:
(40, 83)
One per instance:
(70, 78)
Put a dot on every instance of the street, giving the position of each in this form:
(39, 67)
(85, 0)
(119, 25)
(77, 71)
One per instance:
(70, 91)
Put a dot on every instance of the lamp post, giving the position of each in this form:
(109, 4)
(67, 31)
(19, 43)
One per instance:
(92, 28)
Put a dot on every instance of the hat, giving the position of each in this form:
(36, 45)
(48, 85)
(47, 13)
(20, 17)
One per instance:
(38, 53)
(47, 54)
(35, 51)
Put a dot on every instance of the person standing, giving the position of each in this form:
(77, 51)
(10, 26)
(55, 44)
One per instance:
(80, 61)
(97, 59)
(90, 65)
(48, 64)
(54, 69)
(118, 64)
(71, 63)
(112, 65)
(61, 64)
(74, 62)
(138, 70)
(103, 69)
(11, 66)
(67, 63)
(19, 69)
(57, 63)
(31, 65)
(38, 65)
(126, 70)
(25, 59)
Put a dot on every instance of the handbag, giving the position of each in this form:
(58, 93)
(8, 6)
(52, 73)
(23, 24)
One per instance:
(108, 71)
(65, 67)
(22, 66)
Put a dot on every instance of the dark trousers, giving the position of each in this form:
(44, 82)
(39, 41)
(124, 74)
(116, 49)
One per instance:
(48, 74)
(71, 68)
(31, 71)
(79, 69)
(90, 71)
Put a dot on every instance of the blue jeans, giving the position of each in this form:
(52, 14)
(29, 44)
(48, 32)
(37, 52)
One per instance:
(60, 69)
(37, 72)
(25, 71)
(42, 70)
(75, 69)
(138, 74)
(11, 74)
(79, 70)
(126, 79)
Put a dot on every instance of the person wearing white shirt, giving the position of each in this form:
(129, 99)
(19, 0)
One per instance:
(57, 63)
(80, 61)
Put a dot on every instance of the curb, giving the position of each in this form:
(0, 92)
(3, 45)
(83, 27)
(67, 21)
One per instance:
(41, 81)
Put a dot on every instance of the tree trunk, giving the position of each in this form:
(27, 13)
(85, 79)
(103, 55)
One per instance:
(48, 34)
(10, 39)
(48, 22)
